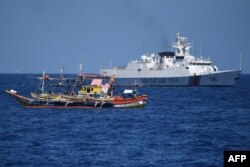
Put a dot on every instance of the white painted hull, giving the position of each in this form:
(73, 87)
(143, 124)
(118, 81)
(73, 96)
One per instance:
(134, 104)
(220, 78)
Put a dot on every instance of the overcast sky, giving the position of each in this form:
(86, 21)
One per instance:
(37, 35)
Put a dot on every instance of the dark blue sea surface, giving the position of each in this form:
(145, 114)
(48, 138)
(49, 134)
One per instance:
(180, 126)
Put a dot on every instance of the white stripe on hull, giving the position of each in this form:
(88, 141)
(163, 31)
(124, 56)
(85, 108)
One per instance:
(135, 104)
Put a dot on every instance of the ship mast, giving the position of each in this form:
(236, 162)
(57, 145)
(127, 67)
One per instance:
(181, 45)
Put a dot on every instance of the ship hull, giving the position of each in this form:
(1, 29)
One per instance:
(221, 78)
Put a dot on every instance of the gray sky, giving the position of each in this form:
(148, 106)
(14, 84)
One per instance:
(37, 35)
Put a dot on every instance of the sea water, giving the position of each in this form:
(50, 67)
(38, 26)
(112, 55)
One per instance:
(180, 126)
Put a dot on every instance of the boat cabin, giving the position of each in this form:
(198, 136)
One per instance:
(128, 93)
(90, 90)
(95, 88)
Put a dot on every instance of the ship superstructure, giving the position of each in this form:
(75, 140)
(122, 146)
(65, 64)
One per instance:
(178, 68)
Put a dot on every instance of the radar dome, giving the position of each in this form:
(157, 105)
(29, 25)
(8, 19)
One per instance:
(143, 58)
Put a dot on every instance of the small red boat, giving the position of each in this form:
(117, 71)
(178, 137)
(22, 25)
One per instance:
(133, 101)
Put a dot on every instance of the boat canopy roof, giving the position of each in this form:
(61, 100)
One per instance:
(127, 91)
(97, 82)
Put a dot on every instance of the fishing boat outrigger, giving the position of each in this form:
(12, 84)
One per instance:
(95, 95)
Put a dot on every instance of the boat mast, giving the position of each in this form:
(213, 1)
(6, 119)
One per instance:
(80, 75)
(61, 74)
(111, 84)
(80, 67)
(43, 80)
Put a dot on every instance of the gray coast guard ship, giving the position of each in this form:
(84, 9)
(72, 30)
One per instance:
(178, 68)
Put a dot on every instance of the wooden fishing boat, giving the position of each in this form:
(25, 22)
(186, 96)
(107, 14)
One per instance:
(95, 95)
(59, 102)
(118, 101)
